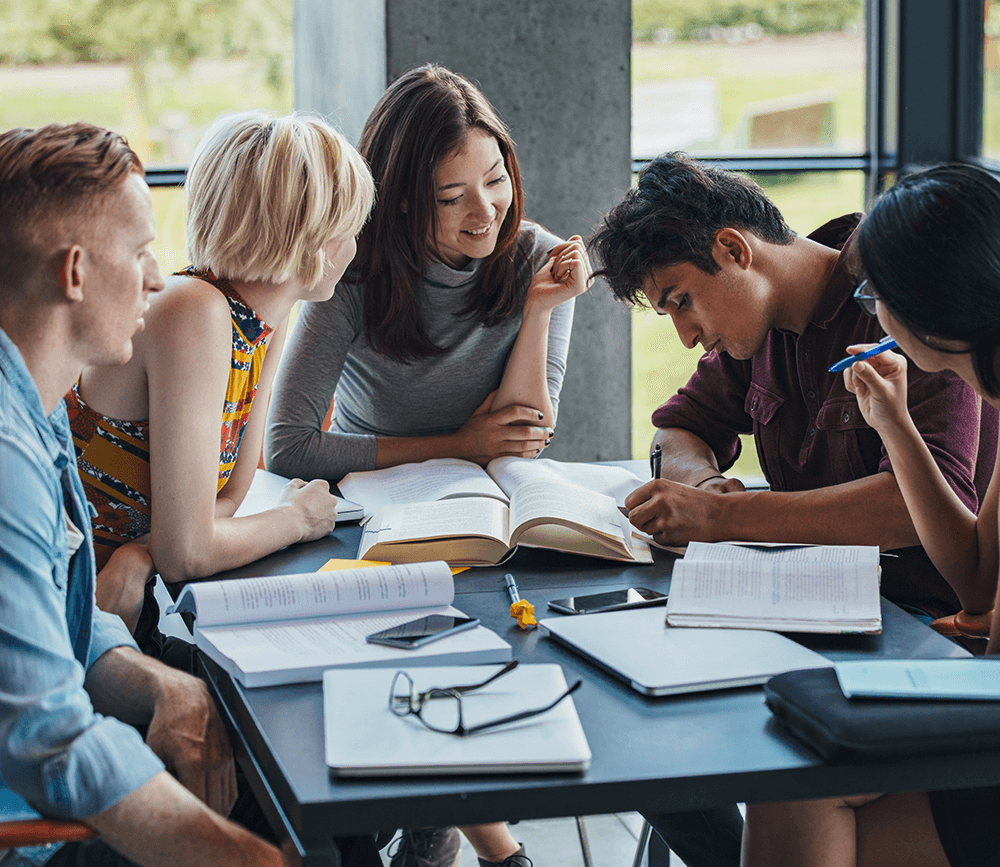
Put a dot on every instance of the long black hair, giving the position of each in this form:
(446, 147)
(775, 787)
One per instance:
(931, 248)
(422, 118)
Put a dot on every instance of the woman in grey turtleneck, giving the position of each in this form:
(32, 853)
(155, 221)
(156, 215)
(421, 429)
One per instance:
(449, 334)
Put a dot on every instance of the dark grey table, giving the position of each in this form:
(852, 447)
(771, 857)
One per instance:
(649, 754)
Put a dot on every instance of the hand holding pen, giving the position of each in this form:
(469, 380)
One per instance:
(880, 387)
(885, 344)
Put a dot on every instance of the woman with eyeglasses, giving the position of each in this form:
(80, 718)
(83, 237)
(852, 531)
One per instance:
(930, 248)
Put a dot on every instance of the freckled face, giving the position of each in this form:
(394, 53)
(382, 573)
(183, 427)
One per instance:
(473, 192)
(122, 271)
(720, 311)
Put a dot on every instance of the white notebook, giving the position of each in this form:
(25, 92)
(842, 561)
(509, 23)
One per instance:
(366, 739)
(266, 488)
(921, 678)
(655, 659)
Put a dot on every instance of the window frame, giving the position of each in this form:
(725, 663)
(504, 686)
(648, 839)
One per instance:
(901, 130)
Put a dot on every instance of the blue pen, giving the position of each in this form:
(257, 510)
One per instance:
(884, 344)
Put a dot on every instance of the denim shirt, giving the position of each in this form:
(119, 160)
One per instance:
(56, 753)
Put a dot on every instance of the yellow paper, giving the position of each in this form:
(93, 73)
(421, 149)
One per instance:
(336, 565)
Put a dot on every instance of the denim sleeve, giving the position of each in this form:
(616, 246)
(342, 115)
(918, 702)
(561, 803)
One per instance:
(108, 631)
(63, 758)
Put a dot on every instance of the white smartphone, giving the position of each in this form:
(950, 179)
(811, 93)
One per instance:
(417, 633)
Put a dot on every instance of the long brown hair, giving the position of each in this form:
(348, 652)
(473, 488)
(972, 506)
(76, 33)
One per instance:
(423, 117)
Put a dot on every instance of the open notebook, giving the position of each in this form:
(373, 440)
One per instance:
(365, 739)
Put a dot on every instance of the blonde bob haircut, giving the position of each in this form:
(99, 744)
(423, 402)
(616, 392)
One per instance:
(264, 194)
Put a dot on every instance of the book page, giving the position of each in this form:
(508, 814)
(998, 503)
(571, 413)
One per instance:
(472, 516)
(263, 654)
(318, 594)
(616, 482)
(548, 498)
(436, 479)
(778, 590)
(767, 552)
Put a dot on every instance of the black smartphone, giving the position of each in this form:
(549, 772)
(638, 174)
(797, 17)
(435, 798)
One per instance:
(616, 600)
(417, 633)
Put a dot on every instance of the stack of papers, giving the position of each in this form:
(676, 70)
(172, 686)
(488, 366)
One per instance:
(787, 588)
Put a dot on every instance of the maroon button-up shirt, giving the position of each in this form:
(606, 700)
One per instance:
(808, 429)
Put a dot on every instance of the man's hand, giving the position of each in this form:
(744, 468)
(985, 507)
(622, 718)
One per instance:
(187, 734)
(675, 514)
(513, 430)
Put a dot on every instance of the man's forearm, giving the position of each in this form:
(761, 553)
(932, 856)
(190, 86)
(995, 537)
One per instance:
(161, 824)
(686, 457)
(126, 684)
(868, 511)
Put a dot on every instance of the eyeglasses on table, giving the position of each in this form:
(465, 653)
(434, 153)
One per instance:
(440, 708)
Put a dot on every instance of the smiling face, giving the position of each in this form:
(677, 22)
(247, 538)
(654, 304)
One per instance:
(473, 193)
(725, 311)
(119, 271)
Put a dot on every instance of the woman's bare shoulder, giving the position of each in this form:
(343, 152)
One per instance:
(187, 303)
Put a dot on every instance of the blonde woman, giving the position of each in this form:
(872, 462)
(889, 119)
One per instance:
(167, 444)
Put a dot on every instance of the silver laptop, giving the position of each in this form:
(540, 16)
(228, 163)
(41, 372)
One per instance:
(655, 659)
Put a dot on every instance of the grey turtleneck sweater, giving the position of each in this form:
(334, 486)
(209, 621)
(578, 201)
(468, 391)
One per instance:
(328, 356)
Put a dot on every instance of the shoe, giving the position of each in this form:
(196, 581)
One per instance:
(427, 847)
(518, 859)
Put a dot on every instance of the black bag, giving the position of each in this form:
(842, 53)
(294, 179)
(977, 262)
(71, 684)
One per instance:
(812, 707)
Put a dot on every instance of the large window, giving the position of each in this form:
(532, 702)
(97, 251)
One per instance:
(754, 80)
(991, 81)
(156, 72)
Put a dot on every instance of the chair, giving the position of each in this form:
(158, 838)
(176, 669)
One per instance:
(41, 832)
(964, 625)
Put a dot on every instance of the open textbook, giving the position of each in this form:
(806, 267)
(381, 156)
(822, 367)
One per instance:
(808, 588)
(474, 529)
(291, 628)
(447, 478)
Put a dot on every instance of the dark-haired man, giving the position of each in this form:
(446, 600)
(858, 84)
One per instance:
(773, 311)
(76, 269)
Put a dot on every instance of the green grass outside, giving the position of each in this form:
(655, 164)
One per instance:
(740, 85)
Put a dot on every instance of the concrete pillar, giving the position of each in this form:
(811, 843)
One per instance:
(559, 75)
(339, 59)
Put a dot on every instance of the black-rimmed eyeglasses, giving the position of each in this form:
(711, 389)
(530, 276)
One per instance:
(440, 708)
(866, 298)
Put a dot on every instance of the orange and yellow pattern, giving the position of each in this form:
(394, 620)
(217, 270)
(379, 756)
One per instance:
(113, 455)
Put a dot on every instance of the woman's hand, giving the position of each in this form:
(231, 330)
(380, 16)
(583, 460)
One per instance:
(880, 386)
(564, 276)
(121, 584)
(513, 430)
(315, 505)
